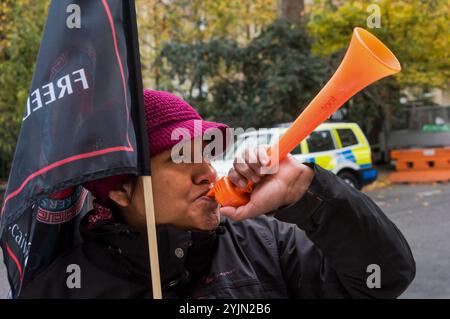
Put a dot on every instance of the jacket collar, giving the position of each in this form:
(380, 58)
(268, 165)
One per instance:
(183, 255)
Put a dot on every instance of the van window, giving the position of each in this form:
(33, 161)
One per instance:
(319, 141)
(297, 150)
(347, 137)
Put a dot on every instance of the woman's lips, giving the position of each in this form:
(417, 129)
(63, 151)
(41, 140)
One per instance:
(207, 198)
(203, 196)
(208, 202)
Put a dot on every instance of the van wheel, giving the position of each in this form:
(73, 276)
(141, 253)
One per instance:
(350, 179)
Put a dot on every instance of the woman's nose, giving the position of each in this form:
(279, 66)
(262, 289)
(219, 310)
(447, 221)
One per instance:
(205, 174)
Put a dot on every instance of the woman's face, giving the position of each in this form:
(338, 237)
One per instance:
(179, 192)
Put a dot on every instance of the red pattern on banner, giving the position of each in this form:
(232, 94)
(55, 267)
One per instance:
(16, 261)
(49, 217)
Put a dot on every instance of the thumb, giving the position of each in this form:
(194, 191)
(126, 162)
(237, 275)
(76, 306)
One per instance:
(239, 213)
(227, 211)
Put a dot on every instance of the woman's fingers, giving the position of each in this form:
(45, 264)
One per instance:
(263, 155)
(248, 166)
(236, 178)
(251, 159)
(244, 165)
(257, 158)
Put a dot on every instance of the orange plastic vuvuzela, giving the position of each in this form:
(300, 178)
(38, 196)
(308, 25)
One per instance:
(367, 60)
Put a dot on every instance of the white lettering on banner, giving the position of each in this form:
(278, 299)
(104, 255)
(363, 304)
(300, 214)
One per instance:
(67, 86)
(37, 99)
(82, 78)
(21, 239)
(50, 92)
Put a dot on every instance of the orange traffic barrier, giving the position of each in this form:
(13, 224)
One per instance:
(421, 165)
(366, 61)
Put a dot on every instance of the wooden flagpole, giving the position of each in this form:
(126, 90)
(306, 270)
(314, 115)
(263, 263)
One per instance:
(152, 240)
(141, 138)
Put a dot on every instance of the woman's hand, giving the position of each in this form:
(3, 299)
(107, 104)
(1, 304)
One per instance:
(284, 187)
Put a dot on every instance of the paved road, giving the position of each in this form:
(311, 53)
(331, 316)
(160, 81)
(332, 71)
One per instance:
(422, 213)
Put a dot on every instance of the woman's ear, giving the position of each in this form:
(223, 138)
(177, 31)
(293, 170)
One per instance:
(121, 196)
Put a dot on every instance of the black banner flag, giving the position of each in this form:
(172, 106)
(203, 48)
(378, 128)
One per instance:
(82, 121)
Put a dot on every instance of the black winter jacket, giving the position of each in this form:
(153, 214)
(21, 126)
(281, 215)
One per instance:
(319, 247)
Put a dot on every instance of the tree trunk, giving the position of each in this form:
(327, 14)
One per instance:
(291, 10)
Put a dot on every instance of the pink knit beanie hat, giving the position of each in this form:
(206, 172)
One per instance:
(164, 112)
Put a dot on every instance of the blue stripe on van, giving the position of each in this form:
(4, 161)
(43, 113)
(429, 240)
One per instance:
(369, 175)
(346, 156)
